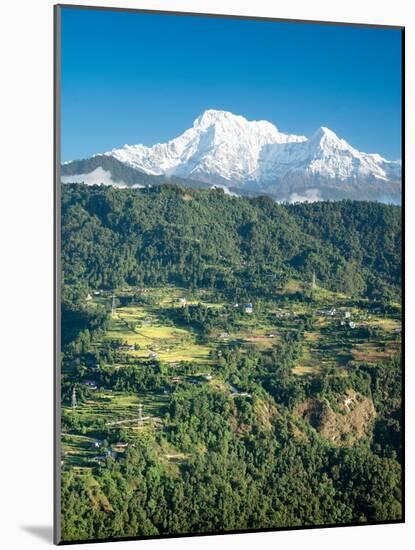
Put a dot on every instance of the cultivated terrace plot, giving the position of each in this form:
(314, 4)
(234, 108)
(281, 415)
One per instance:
(167, 339)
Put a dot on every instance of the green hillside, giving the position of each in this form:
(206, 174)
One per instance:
(227, 363)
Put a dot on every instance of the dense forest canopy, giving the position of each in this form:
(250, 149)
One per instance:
(196, 238)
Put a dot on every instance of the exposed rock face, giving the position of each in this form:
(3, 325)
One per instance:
(349, 424)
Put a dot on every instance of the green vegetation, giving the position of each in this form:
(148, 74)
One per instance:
(207, 383)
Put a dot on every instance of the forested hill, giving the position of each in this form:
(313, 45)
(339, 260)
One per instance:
(206, 238)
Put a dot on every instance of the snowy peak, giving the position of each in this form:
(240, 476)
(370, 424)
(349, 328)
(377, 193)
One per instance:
(324, 135)
(231, 125)
(211, 117)
(222, 148)
(226, 123)
(326, 141)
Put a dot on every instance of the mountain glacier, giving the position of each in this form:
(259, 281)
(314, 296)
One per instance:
(254, 156)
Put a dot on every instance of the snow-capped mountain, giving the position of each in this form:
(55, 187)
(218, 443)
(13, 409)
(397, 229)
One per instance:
(226, 149)
(327, 156)
(219, 145)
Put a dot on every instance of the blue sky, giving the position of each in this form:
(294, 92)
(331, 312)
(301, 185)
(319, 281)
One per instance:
(143, 78)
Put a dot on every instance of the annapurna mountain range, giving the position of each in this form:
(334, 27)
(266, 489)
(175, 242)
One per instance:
(247, 157)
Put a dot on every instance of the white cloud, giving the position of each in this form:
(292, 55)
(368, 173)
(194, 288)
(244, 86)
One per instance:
(225, 189)
(96, 177)
(309, 195)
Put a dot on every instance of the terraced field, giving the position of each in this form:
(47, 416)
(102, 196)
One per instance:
(335, 333)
